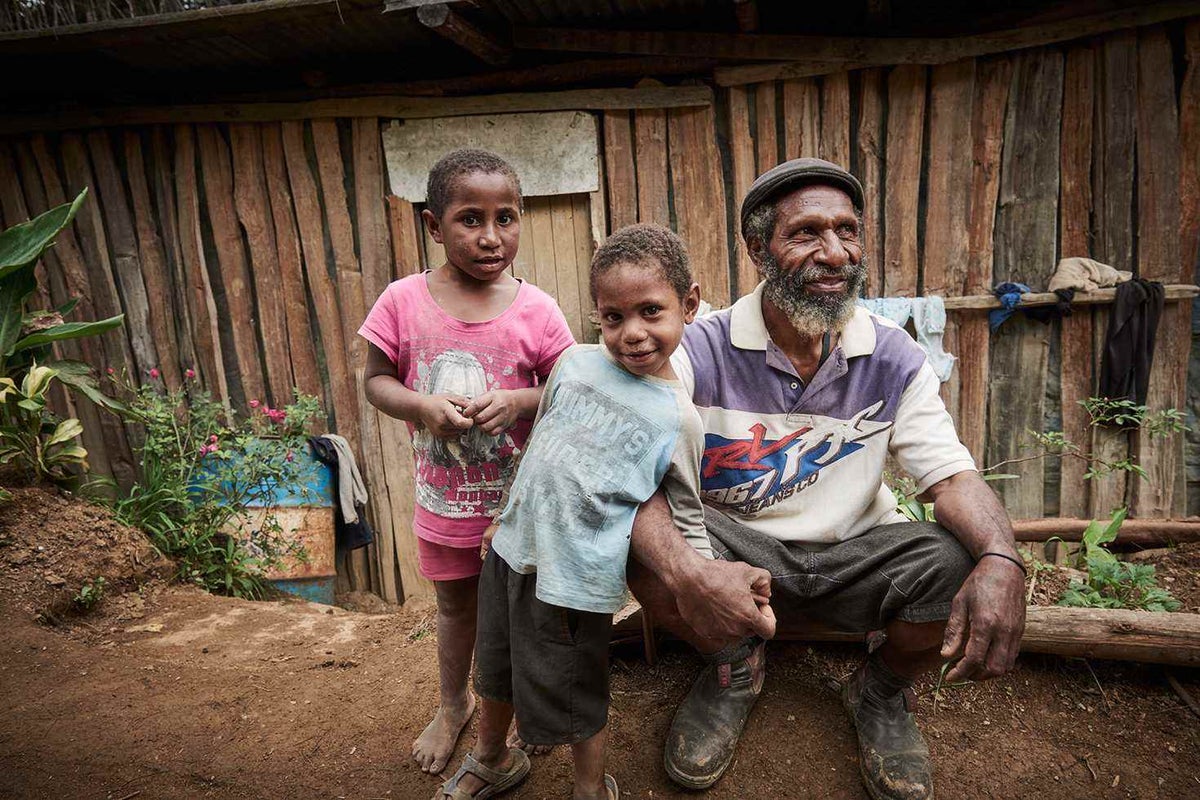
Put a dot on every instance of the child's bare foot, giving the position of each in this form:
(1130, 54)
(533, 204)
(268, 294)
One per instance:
(435, 745)
(515, 740)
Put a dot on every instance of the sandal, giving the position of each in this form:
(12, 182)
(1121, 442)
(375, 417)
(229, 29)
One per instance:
(497, 781)
(610, 783)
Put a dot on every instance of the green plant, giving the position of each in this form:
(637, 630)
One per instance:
(202, 467)
(90, 594)
(29, 439)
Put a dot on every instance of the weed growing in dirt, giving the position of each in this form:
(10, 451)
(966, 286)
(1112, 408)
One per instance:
(1112, 583)
(202, 466)
(90, 594)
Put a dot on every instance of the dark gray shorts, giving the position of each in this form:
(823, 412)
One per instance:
(549, 662)
(908, 571)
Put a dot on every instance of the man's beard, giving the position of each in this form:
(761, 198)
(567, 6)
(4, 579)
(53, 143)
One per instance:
(813, 314)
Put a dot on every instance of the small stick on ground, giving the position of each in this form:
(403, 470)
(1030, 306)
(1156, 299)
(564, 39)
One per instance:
(1183, 693)
(1103, 696)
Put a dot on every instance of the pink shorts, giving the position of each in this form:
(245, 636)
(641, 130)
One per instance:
(441, 562)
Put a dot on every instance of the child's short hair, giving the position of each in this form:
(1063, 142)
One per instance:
(457, 163)
(637, 244)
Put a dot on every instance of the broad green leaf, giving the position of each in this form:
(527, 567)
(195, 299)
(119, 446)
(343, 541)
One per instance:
(13, 291)
(7, 387)
(75, 453)
(37, 380)
(1110, 532)
(65, 431)
(21, 245)
(68, 307)
(79, 377)
(68, 330)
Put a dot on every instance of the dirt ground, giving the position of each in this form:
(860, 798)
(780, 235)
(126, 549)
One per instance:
(173, 693)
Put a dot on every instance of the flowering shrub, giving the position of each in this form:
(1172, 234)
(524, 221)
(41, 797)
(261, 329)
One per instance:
(201, 467)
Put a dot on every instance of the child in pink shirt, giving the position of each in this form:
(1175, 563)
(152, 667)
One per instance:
(462, 353)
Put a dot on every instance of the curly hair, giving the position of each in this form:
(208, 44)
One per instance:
(452, 167)
(642, 243)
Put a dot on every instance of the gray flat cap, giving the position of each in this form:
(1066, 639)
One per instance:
(800, 172)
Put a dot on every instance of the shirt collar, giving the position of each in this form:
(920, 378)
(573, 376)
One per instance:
(748, 329)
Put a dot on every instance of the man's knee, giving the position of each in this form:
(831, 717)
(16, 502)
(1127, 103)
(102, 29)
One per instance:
(947, 563)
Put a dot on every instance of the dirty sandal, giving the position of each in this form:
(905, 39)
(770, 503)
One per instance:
(497, 781)
(610, 783)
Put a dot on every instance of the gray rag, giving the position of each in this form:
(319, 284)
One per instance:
(351, 489)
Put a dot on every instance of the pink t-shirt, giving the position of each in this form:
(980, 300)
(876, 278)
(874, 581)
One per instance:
(459, 481)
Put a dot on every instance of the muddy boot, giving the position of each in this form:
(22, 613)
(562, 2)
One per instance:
(893, 757)
(709, 721)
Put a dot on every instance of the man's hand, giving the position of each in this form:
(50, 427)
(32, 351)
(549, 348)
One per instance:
(488, 534)
(987, 619)
(441, 414)
(493, 411)
(727, 600)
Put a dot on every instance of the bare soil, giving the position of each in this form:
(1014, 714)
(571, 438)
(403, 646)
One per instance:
(173, 693)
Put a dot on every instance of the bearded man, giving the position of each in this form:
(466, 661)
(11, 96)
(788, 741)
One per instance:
(803, 395)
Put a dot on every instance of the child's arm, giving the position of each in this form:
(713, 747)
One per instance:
(439, 413)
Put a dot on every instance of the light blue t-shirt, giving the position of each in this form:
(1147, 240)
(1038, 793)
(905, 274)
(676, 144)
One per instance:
(603, 442)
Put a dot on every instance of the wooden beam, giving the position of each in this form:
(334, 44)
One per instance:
(1139, 532)
(1189, 150)
(390, 107)
(905, 136)
(869, 141)
(650, 141)
(835, 119)
(619, 170)
(443, 20)
(766, 137)
(741, 150)
(801, 118)
(1026, 249)
(1174, 292)
(699, 190)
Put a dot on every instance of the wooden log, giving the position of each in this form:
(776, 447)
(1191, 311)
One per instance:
(153, 260)
(1074, 219)
(619, 169)
(801, 118)
(443, 20)
(232, 265)
(380, 506)
(905, 132)
(585, 246)
(120, 436)
(835, 118)
(1119, 634)
(254, 212)
(1158, 210)
(123, 245)
(1112, 188)
(12, 206)
(1139, 532)
(202, 305)
(650, 137)
(406, 236)
(388, 107)
(541, 230)
(1174, 292)
(948, 203)
(699, 191)
(301, 348)
(566, 265)
(869, 139)
(72, 283)
(323, 290)
(1026, 244)
(370, 207)
(741, 150)
(396, 445)
(1189, 150)
(766, 138)
(162, 174)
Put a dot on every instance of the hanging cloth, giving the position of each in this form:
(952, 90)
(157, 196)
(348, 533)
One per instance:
(1129, 343)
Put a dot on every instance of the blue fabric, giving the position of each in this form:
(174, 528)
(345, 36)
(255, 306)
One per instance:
(1009, 295)
(599, 449)
(929, 320)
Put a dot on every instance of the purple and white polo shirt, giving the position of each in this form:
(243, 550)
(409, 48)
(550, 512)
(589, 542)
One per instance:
(805, 462)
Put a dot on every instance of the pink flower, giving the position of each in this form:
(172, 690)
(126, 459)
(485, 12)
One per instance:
(154, 373)
(290, 456)
(254, 404)
(212, 439)
(110, 371)
(191, 373)
(276, 414)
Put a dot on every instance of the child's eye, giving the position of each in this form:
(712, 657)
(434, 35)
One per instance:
(470, 219)
(506, 219)
(612, 318)
(652, 311)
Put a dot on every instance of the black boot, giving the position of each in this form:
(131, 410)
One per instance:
(893, 757)
(709, 721)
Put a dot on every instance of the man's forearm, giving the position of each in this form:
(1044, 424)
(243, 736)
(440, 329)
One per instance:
(967, 507)
(657, 545)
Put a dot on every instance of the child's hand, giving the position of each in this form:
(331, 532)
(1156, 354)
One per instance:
(493, 411)
(488, 535)
(441, 414)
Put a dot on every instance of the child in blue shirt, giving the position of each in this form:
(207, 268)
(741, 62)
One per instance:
(614, 424)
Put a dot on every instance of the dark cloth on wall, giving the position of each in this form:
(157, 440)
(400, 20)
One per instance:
(349, 535)
(1129, 343)
(1009, 295)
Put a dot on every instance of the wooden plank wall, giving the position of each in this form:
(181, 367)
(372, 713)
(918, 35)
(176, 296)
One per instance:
(991, 169)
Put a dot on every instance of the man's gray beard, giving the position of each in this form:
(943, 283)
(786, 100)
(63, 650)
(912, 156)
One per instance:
(812, 314)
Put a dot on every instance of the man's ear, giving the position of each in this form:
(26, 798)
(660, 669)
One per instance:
(432, 225)
(691, 303)
(755, 249)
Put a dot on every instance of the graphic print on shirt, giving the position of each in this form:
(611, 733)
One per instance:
(751, 473)
(462, 477)
(585, 433)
